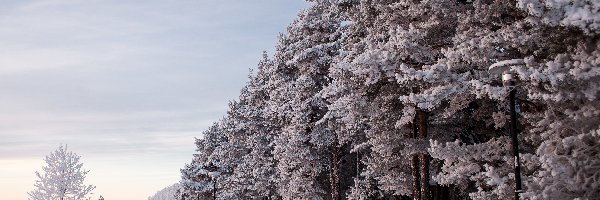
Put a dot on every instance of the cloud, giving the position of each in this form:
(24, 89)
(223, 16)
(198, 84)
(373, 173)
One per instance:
(126, 84)
(24, 135)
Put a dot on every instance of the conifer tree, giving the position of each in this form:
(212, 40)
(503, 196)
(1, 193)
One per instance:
(256, 173)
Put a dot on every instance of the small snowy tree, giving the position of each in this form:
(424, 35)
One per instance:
(169, 193)
(62, 179)
(195, 180)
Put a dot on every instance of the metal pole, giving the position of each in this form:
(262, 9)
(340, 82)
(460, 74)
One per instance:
(515, 142)
(215, 189)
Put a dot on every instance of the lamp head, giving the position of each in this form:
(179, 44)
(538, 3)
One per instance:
(503, 66)
(508, 79)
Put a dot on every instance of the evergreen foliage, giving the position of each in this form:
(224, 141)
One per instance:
(167, 193)
(388, 99)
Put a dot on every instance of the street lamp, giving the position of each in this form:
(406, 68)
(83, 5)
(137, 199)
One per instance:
(214, 175)
(508, 80)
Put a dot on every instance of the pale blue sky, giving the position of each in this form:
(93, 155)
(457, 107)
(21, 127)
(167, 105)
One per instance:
(126, 84)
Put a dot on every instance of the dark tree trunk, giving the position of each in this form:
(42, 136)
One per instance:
(415, 175)
(334, 175)
(424, 158)
(424, 161)
(435, 192)
(416, 193)
(439, 192)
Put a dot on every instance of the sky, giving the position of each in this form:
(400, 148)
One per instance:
(127, 85)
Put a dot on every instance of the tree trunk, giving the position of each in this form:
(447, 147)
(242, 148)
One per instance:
(416, 193)
(424, 161)
(415, 175)
(334, 175)
(436, 192)
(439, 192)
(424, 158)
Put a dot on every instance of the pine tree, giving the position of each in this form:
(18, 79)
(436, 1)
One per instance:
(62, 178)
(196, 182)
(256, 174)
(167, 193)
(306, 149)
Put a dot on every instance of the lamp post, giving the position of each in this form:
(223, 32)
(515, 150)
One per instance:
(508, 81)
(214, 175)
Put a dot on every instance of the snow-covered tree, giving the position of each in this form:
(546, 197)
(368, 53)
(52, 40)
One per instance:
(549, 83)
(255, 175)
(389, 99)
(62, 178)
(168, 193)
(307, 148)
(196, 182)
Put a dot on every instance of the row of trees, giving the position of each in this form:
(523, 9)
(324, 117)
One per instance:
(386, 99)
(167, 193)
